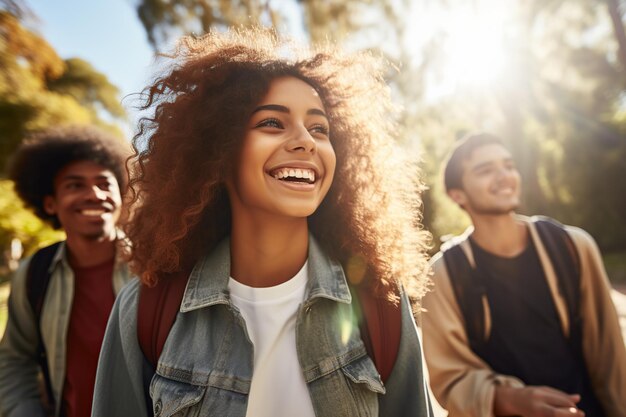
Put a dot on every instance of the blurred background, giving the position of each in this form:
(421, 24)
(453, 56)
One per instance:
(548, 76)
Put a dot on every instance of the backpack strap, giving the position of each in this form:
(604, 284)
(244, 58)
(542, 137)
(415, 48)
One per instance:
(566, 263)
(469, 292)
(380, 325)
(158, 306)
(37, 279)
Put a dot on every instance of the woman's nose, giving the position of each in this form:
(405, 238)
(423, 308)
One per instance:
(302, 141)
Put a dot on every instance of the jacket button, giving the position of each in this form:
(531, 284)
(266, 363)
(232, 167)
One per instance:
(158, 407)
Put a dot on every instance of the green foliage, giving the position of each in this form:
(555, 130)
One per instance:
(4, 314)
(166, 20)
(561, 108)
(616, 267)
(88, 87)
(560, 101)
(39, 89)
(575, 129)
(17, 222)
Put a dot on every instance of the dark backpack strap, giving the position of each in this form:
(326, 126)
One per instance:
(156, 313)
(469, 292)
(566, 263)
(37, 280)
(380, 324)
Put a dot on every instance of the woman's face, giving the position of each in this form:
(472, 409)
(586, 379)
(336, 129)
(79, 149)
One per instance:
(286, 162)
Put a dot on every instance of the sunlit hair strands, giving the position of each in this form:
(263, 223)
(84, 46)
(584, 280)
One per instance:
(370, 219)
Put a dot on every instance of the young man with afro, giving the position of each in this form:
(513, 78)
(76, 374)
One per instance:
(73, 178)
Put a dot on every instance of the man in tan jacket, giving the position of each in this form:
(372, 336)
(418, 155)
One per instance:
(540, 351)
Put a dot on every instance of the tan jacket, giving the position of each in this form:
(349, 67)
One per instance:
(465, 385)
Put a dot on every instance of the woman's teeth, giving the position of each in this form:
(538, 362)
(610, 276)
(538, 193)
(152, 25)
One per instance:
(294, 174)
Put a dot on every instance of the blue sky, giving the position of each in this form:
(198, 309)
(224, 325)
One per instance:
(106, 33)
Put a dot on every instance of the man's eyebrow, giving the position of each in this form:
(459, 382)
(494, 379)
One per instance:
(283, 109)
(73, 177)
(488, 163)
(482, 165)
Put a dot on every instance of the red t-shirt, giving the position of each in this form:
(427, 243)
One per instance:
(93, 300)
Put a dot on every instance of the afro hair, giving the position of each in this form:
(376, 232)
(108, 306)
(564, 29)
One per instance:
(42, 155)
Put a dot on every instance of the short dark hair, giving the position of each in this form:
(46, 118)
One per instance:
(453, 171)
(42, 155)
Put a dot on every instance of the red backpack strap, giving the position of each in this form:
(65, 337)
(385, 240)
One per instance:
(381, 329)
(380, 325)
(156, 313)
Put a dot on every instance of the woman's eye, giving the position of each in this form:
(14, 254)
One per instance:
(319, 129)
(270, 123)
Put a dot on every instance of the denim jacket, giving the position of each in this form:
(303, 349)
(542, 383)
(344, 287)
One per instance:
(19, 387)
(206, 366)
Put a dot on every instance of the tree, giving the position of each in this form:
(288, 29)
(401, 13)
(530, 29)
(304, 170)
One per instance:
(559, 105)
(338, 20)
(618, 29)
(18, 223)
(39, 89)
(559, 101)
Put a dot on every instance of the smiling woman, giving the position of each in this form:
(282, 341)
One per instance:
(288, 139)
(266, 173)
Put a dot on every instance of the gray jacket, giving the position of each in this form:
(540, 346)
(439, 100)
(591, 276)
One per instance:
(206, 366)
(19, 388)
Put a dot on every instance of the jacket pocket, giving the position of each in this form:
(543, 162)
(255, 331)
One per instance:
(363, 371)
(363, 385)
(173, 398)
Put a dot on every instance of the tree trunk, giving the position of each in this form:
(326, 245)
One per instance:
(618, 29)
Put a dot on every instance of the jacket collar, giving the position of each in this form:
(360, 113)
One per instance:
(208, 282)
(60, 256)
(121, 273)
(463, 239)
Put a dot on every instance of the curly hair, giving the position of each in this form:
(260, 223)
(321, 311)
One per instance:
(41, 156)
(370, 219)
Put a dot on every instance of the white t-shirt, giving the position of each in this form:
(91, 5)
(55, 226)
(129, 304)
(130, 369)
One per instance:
(278, 386)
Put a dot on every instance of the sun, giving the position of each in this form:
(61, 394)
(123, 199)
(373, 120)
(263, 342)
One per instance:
(474, 52)
(471, 39)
